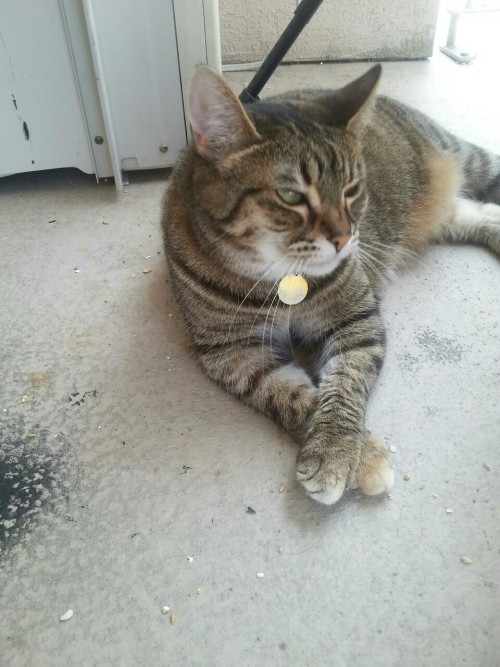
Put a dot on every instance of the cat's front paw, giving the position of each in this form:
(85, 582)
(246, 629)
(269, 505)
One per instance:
(325, 470)
(375, 473)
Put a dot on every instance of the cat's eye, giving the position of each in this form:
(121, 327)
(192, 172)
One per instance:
(290, 197)
(352, 190)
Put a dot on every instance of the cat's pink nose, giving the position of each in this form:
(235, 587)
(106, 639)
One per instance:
(340, 241)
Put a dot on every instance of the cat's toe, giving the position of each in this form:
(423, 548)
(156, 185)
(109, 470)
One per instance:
(323, 476)
(375, 471)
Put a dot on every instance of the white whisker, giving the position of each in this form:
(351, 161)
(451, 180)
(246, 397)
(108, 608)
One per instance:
(264, 327)
(379, 246)
(269, 269)
(272, 325)
(376, 260)
(218, 237)
(264, 303)
(368, 262)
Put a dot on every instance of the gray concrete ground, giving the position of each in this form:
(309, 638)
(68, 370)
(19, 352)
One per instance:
(124, 461)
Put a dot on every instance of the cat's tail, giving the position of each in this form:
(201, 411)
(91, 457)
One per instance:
(479, 168)
(480, 172)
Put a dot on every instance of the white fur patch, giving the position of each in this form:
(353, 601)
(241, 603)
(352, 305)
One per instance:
(328, 496)
(379, 479)
(321, 261)
(329, 259)
(469, 211)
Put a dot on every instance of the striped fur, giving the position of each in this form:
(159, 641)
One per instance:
(375, 183)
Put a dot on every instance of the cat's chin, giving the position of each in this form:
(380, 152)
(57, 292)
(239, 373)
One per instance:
(273, 263)
(322, 268)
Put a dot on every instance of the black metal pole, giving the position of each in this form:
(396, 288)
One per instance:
(302, 15)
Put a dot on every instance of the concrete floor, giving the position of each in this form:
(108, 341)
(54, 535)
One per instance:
(125, 460)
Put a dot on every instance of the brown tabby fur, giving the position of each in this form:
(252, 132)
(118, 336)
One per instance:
(368, 168)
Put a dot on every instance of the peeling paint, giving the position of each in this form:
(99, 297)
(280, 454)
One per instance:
(26, 131)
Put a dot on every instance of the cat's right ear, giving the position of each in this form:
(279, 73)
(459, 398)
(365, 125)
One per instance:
(219, 123)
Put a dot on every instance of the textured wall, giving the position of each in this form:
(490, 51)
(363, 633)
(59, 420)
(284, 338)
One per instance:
(340, 29)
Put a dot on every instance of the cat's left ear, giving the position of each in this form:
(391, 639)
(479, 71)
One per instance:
(349, 104)
(219, 123)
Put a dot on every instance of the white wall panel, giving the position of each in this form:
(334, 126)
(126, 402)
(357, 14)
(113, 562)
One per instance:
(138, 48)
(340, 29)
(99, 84)
(42, 125)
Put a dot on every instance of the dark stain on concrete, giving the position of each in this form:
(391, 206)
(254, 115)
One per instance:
(34, 474)
(93, 393)
(409, 363)
(439, 349)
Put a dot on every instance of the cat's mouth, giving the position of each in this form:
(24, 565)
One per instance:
(325, 258)
(315, 260)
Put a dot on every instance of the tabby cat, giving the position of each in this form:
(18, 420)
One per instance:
(341, 187)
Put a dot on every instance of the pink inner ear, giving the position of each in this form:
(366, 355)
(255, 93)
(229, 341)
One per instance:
(199, 142)
(218, 122)
(199, 108)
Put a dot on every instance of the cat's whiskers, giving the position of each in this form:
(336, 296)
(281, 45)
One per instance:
(376, 261)
(380, 247)
(296, 272)
(273, 287)
(388, 257)
(373, 253)
(276, 296)
(218, 237)
(272, 325)
(299, 268)
(290, 344)
(303, 264)
(393, 256)
(370, 262)
(270, 268)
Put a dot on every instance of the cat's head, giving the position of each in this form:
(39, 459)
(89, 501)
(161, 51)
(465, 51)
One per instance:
(281, 185)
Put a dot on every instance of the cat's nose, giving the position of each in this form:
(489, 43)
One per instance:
(340, 241)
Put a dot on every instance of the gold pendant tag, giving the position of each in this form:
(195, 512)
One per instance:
(292, 289)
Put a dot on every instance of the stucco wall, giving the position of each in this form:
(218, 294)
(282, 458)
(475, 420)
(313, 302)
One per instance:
(340, 29)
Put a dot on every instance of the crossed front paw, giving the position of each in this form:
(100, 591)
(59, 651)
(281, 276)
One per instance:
(327, 469)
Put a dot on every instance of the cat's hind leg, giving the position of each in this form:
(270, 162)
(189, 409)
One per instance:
(473, 222)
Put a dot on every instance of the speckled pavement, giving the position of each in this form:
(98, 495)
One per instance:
(123, 462)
